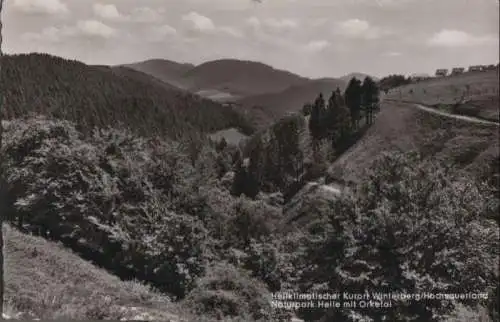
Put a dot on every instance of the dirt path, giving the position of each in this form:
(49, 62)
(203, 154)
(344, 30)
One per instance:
(336, 188)
(456, 116)
(442, 113)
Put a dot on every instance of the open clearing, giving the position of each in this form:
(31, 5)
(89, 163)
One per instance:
(474, 94)
(403, 127)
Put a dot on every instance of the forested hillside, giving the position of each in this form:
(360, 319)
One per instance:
(235, 77)
(145, 210)
(103, 96)
(219, 229)
(270, 107)
(165, 70)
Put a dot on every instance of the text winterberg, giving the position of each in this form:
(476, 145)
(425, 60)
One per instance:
(306, 296)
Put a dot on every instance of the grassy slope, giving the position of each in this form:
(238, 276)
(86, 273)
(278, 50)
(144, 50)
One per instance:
(482, 96)
(103, 96)
(402, 127)
(46, 280)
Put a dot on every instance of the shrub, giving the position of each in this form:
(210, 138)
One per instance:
(226, 291)
(412, 226)
(120, 200)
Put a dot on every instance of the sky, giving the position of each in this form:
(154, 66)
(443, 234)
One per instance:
(313, 38)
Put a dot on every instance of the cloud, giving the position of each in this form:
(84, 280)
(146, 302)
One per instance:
(85, 28)
(391, 3)
(147, 15)
(48, 34)
(253, 22)
(51, 7)
(356, 28)
(457, 38)
(144, 15)
(317, 46)
(204, 25)
(272, 24)
(281, 24)
(230, 31)
(94, 28)
(107, 11)
(160, 33)
(199, 22)
(392, 54)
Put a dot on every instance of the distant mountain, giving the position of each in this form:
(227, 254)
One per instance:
(165, 70)
(241, 78)
(107, 96)
(292, 99)
(359, 76)
(222, 79)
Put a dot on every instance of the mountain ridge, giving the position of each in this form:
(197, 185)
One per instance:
(235, 77)
(106, 96)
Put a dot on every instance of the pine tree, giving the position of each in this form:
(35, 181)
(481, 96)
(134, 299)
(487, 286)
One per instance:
(255, 171)
(286, 133)
(338, 121)
(221, 145)
(316, 115)
(353, 100)
(240, 177)
(330, 118)
(370, 98)
(306, 109)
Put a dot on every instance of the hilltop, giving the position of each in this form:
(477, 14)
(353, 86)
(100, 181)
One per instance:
(104, 96)
(403, 127)
(225, 77)
(273, 106)
(360, 76)
(166, 70)
(472, 93)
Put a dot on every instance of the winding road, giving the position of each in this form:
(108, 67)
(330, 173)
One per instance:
(471, 119)
(455, 116)
(336, 190)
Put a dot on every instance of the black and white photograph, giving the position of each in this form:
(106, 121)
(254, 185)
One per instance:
(250, 160)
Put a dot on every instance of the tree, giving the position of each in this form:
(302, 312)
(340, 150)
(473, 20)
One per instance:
(221, 145)
(255, 171)
(412, 226)
(370, 98)
(353, 99)
(316, 115)
(287, 135)
(389, 82)
(244, 181)
(240, 174)
(340, 122)
(306, 109)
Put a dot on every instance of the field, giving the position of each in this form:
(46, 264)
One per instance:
(402, 127)
(474, 94)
